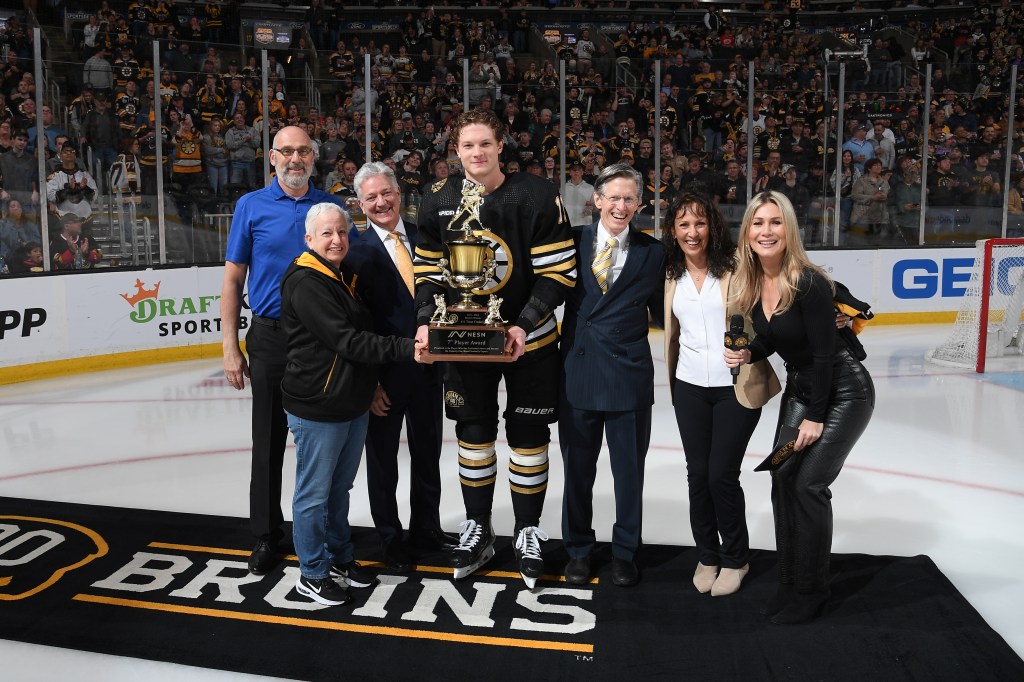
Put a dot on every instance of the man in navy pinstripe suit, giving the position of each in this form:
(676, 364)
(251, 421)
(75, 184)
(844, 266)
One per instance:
(609, 373)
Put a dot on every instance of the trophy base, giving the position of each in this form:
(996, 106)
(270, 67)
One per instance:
(466, 343)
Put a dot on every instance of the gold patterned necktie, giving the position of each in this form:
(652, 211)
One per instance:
(602, 265)
(404, 261)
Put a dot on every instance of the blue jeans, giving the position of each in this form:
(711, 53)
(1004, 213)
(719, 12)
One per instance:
(243, 173)
(326, 460)
(218, 176)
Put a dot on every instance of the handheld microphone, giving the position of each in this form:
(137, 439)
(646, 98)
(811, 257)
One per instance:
(736, 339)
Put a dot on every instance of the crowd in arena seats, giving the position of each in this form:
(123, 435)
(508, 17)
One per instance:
(211, 105)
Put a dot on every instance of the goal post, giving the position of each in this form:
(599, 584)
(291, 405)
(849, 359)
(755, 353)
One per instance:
(990, 313)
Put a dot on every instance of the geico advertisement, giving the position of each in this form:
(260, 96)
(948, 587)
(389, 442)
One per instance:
(931, 280)
(112, 312)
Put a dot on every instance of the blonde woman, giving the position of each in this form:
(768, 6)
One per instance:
(829, 396)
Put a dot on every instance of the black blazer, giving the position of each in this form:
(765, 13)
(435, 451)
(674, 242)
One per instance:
(381, 288)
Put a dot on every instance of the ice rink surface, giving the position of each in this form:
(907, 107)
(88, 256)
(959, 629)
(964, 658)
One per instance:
(940, 471)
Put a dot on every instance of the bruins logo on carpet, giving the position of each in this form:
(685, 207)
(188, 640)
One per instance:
(169, 567)
(176, 587)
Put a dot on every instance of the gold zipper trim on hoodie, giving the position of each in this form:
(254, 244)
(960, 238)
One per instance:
(331, 373)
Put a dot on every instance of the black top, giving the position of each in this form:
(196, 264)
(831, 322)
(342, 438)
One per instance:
(333, 351)
(804, 336)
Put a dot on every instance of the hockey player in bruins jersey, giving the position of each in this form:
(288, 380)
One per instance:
(529, 234)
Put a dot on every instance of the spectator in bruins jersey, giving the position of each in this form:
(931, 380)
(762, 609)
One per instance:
(344, 187)
(127, 106)
(210, 104)
(625, 49)
(213, 10)
(410, 178)
(944, 185)
(126, 174)
(126, 67)
(549, 145)
(650, 202)
(769, 140)
(537, 266)
(336, 174)
(146, 134)
(70, 190)
(342, 65)
(524, 150)
(188, 162)
(622, 141)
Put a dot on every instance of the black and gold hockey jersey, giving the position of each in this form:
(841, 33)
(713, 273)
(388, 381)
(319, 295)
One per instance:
(529, 237)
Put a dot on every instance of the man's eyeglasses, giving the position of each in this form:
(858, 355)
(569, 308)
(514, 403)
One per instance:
(287, 152)
(628, 201)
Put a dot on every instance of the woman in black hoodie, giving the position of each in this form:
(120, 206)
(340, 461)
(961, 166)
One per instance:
(328, 385)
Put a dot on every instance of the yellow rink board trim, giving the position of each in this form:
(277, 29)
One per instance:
(46, 370)
(97, 363)
(333, 625)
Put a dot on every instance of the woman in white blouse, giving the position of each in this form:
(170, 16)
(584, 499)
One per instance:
(716, 412)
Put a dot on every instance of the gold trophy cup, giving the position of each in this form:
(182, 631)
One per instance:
(465, 330)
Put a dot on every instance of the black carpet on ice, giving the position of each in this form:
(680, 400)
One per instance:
(174, 587)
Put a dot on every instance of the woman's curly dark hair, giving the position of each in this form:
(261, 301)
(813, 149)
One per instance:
(721, 249)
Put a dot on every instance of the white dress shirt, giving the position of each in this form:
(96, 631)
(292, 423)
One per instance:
(701, 316)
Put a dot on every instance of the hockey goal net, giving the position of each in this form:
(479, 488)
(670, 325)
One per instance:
(989, 320)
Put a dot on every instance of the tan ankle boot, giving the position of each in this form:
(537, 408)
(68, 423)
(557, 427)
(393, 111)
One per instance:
(704, 577)
(729, 581)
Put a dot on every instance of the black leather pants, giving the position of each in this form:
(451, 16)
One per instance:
(801, 499)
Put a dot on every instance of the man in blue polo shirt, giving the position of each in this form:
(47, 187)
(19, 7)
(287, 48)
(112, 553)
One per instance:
(267, 234)
(860, 147)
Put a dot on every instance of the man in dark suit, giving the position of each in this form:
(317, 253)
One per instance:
(609, 373)
(381, 257)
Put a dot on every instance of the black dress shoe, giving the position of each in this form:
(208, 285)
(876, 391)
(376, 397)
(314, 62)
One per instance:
(434, 539)
(624, 572)
(577, 571)
(262, 559)
(396, 556)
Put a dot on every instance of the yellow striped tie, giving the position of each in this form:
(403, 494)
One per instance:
(404, 262)
(602, 265)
